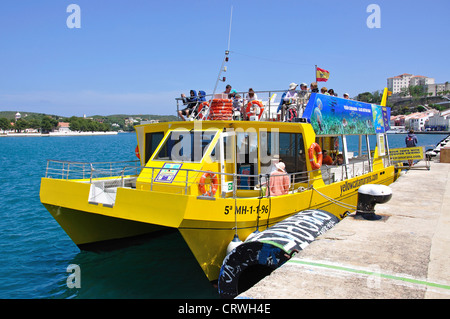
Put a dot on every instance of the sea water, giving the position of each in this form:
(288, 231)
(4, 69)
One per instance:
(36, 253)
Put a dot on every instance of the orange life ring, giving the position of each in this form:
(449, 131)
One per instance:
(214, 183)
(202, 116)
(250, 112)
(315, 147)
(136, 152)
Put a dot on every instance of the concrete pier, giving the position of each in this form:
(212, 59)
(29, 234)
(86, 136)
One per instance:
(405, 254)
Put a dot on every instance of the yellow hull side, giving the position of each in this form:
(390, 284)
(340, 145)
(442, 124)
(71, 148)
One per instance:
(206, 225)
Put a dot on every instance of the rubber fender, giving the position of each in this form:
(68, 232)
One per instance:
(271, 248)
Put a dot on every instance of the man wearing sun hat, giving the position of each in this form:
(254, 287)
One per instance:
(279, 180)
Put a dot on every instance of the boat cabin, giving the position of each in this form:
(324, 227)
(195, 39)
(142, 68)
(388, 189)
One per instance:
(226, 157)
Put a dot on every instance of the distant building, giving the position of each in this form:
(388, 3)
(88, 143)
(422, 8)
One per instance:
(17, 116)
(396, 83)
(439, 121)
(438, 88)
(63, 127)
(416, 121)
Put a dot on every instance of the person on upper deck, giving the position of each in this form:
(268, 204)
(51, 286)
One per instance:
(227, 89)
(324, 91)
(251, 95)
(314, 88)
(345, 96)
(331, 92)
(303, 98)
(238, 106)
(190, 102)
(201, 96)
(289, 98)
(279, 181)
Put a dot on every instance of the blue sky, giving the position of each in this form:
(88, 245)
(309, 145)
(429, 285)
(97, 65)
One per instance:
(136, 56)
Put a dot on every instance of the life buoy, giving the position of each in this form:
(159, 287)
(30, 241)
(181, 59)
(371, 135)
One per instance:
(136, 152)
(201, 115)
(251, 110)
(221, 109)
(214, 183)
(315, 147)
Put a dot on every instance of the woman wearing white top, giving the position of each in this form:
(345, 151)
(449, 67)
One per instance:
(251, 95)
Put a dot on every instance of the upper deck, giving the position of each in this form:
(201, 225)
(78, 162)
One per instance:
(329, 115)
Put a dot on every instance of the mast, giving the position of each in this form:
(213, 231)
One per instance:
(222, 67)
(315, 72)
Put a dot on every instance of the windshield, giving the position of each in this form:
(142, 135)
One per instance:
(185, 146)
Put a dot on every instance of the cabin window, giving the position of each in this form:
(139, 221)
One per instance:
(247, 158)
(152, 141)
(292, 152)
(185, 146)
(285, 147)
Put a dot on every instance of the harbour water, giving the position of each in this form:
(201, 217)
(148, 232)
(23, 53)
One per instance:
(35, 251)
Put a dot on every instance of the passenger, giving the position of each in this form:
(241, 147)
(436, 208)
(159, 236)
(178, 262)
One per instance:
(314, 88)
(232, 94)
(251, 95)
(345, 96)
(238, 106)
(279, 181)
(331, 92)
(201, 96)
(190, 103)
(227, 89)
(339, 160)
(327, 158)
(289, 98)
(303, 97)
(324, 91)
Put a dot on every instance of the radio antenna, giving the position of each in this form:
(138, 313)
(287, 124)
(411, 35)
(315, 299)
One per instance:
(229, 32)
(223, 68)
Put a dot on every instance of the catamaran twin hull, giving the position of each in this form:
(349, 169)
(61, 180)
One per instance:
(207, 226)
(211, 179)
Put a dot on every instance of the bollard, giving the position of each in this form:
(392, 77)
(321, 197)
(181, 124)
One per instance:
(368, 196)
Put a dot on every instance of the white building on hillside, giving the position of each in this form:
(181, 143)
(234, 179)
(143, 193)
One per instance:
(396, 83)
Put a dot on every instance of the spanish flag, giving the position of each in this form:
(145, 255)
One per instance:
(322, 75)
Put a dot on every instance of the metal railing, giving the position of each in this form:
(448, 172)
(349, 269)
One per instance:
(91, 171)
(270, 112)
(109, 175)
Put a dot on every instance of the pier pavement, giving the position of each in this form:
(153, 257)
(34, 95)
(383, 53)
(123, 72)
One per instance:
(404, 255)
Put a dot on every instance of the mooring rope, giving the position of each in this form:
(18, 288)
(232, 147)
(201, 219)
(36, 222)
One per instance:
(339, 203)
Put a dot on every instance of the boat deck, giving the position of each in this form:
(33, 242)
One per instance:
(404, 255)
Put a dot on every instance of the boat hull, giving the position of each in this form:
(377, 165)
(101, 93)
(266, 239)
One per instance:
(207, 226)
(89, 229)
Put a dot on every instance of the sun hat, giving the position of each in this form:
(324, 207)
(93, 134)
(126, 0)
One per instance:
(280, 166)
(292, 86)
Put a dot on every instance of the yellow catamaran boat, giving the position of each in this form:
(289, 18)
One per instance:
(211, 179)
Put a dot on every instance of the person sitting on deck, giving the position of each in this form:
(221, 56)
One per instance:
(238, 107)
(190, 103)
(327, 158)
(279, 181)
(289, 98)
(339, 160)
(201, 96)
(324, 91)
(303, 98)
